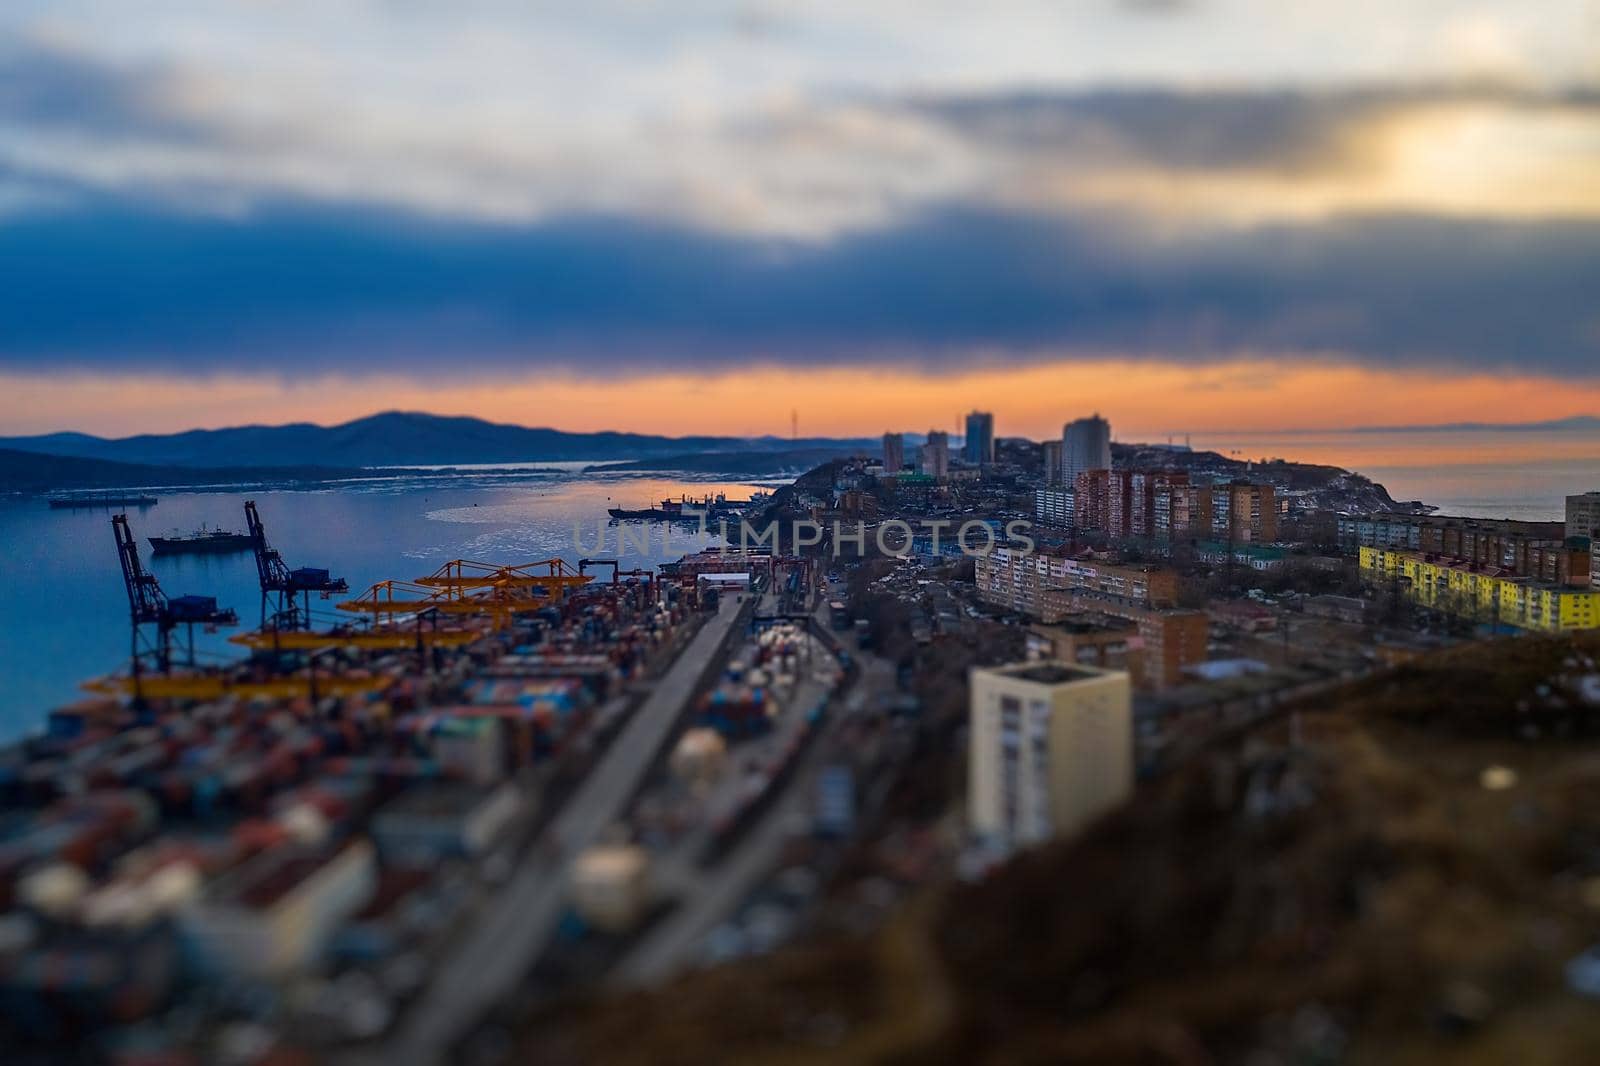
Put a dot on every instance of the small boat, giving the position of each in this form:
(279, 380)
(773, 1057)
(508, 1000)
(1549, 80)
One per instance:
(202, 541)
(61, 503)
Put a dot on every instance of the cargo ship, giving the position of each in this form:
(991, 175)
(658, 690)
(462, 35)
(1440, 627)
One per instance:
(64, 502)
(202, 541)
(686, 509)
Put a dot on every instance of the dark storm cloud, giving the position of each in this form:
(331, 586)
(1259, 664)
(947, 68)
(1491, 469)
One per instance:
(301, 292)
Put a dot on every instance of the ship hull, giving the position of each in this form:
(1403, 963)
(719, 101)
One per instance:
(71, 503)
(200, 546)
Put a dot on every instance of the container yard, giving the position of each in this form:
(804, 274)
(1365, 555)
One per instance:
(193, 848)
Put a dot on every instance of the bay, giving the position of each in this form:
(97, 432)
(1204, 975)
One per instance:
(64, 611)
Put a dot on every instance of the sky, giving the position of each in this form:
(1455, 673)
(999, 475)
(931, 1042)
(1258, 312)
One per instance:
(686, 216)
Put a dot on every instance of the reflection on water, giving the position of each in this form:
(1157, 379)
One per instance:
(66, 614)
(1488, 473)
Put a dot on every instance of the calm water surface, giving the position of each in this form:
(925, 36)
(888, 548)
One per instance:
(65, 613)
(1486, 473)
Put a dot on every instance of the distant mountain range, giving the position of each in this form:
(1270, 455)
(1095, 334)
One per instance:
(396, 438)
(1576, 422)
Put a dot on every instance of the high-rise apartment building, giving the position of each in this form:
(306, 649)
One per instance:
(1178, 511)
(936, 454)
(1145, 489)
(1054, 507)
(1243, 513)
(1090, 490)
(1050, 452)
(1583, 515)
(979, 449)
(894, 453)
(1050, 749)
(1085, 445)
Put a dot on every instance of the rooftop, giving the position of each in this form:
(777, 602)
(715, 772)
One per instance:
(1050, 672)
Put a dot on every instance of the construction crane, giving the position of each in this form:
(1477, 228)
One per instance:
(286, 585)
(548, 577)
(149, 606)
(617, 573)
(499, 602)
(363, 639)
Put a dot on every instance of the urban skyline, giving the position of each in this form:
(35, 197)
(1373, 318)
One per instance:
(729, 531)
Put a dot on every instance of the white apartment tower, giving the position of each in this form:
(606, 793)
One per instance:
(1050, 748)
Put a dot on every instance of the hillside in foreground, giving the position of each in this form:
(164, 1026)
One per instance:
(1400, 873)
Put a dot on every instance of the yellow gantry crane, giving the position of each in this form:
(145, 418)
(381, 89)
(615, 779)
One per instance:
(548, 577)
(363, 639)
(215, 686)
(500, 602)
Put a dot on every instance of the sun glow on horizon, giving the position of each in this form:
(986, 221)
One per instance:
(1144, 400)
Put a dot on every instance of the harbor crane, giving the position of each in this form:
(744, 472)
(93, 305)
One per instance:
(284, 586)
(617, 573)
(548, 577)
(497, 602)
(149, 606)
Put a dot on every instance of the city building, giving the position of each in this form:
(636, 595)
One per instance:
(1262, 557)
(894, 453)
(1050, 454)
(1091, 494)
(1149, 496)
(1583, 515)
(979, 448)
(1119, 503)
(1161, 504)
(1054, 507)
(1048, 587)
(1488, 594)
(1244, 513)
(1583, 523)
(1178, 511)
(1050, 749)
(1085, 445)
(1397, 531)
(936, 454)
(1542, 551)
(1089, 640)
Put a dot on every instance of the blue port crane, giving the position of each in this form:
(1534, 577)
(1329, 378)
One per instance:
(289, 590)
(149, 606)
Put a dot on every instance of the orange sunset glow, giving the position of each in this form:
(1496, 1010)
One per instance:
(1150, 400)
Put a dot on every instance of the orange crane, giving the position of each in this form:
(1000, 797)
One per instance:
(364, 639)
(500, 602)
(548, 577)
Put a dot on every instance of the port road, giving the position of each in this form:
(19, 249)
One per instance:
(709, 897)
(486, 964)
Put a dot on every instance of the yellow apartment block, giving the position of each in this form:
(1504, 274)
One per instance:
(1485, 593)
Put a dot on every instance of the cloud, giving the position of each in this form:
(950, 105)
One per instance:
(808, 164)
(292, 292)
